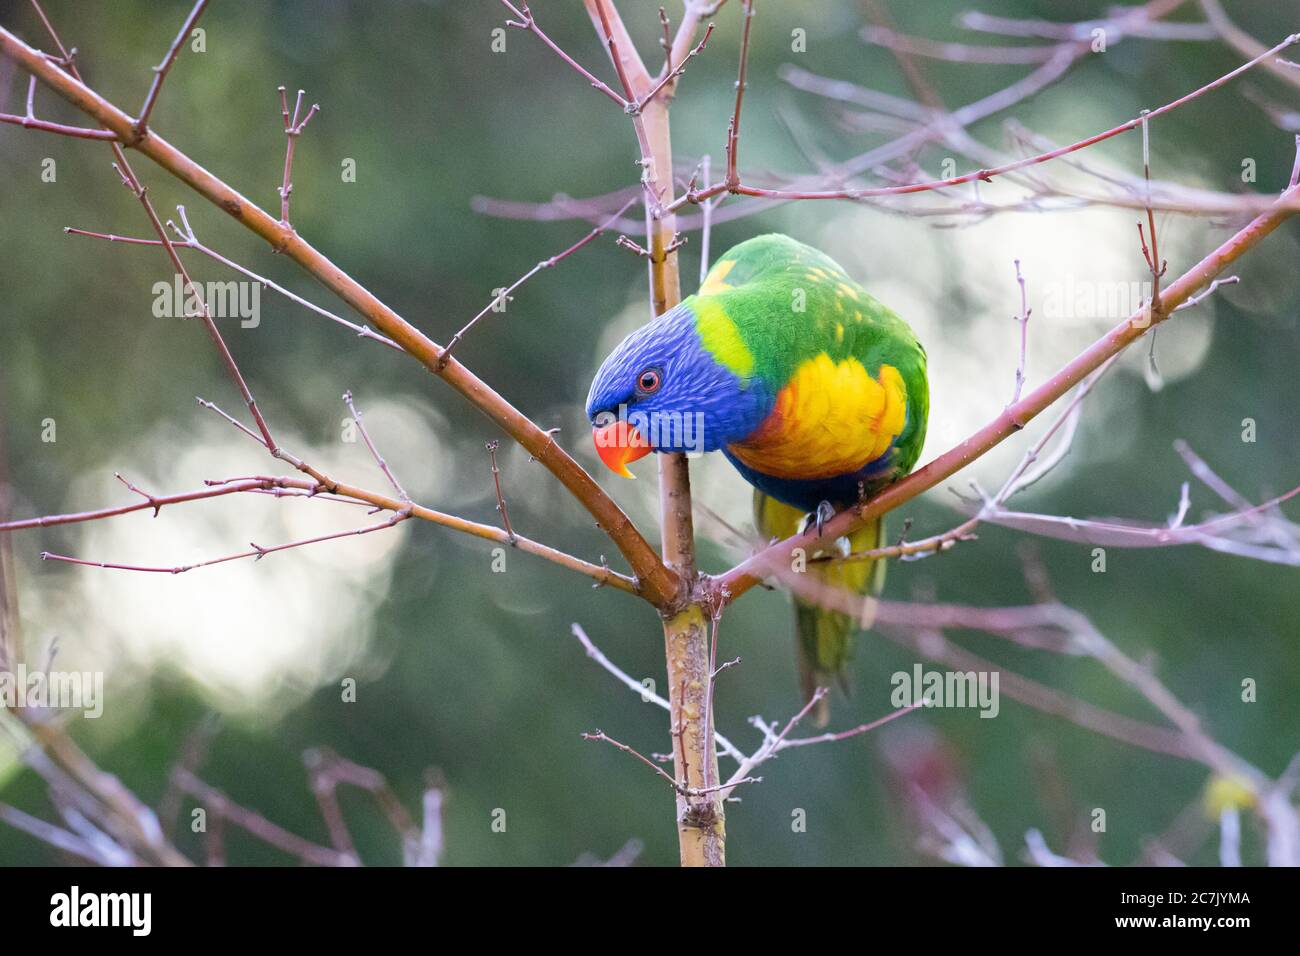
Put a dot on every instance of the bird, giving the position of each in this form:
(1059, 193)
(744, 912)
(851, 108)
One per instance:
(814, 391)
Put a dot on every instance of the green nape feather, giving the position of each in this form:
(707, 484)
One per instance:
(824, 638)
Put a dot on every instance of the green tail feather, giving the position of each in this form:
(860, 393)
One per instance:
(824, 639)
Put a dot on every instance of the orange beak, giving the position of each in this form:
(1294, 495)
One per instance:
(619, 443)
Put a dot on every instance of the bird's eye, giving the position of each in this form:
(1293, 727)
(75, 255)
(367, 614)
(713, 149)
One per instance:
(649, 381)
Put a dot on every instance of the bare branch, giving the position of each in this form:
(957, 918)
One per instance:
(152, 502)
(29, 121)
(836, 736)
(632, 684)
(221, 806)
(258, 552)
(162, 69)
(187, 240)
(293, 128)
(1124, 23)
(504, 297)
(656, 581)
(1214, 534)
(379, 459)
(1023, 320)
(1244, 43)
(672, 75)
(524, 21)
(496, 481)
(979, 175)
(1014, 417)
(732, 180)
(59, 838)
(955, 52)
(600, 735)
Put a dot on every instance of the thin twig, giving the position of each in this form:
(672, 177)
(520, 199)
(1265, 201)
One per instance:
(162, 69)
(503, 298)
(1154, 262)
(496, 481)
(673, 74)
(365, 435)
(774, 742)
(706, 224)
(524, 21)
(80, 132)
(638, 688)
(293, 128)
(835, 736)
(1212, 288)
(956, 52)
(58, 837)
(732, 180)
(600, 735)
(1023, 320)
(981, 175)
(187, 240)
(258, 552)
(219, 805)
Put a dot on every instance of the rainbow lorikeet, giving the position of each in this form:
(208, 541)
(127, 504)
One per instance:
(814, 391)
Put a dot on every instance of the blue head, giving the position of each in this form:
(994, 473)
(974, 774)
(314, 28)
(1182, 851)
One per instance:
(664, 383)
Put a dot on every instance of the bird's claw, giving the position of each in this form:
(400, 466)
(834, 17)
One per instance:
(824, 513)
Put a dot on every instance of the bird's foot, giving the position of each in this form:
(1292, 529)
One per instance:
(824, 513)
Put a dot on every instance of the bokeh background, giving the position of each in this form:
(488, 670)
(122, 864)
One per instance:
(474, 672)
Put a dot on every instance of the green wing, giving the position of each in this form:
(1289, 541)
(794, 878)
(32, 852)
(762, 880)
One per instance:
(790, 302)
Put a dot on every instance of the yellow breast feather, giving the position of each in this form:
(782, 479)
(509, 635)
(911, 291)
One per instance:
(832, 418)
